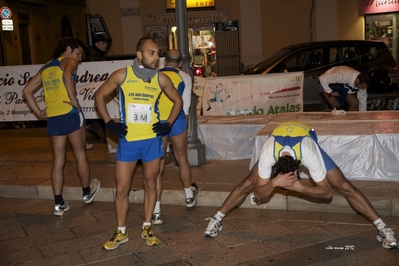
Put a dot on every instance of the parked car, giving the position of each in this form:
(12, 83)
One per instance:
(315, 58)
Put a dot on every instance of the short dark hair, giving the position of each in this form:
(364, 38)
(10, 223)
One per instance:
(364, 78)
(64, 43)
(285, 164)
(141, 42)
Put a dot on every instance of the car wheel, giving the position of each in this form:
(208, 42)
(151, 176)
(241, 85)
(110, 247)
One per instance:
(377, 104)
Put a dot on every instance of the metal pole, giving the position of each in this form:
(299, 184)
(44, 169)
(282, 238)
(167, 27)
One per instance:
(196, 150)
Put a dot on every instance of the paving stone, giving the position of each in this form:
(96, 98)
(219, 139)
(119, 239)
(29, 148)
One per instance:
(289, 229)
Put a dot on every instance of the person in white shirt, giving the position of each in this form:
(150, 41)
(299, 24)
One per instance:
(292, 147)
(343, 85)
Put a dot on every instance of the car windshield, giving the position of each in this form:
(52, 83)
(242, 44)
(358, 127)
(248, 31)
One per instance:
(269, 61)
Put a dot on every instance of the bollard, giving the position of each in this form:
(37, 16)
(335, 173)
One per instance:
(196, 150)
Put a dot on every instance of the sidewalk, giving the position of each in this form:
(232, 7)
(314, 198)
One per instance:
(31, 235)
(309, 234)
(26, 161)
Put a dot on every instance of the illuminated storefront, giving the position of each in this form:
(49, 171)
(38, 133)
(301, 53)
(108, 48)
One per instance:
(203, 33)
(382, 23)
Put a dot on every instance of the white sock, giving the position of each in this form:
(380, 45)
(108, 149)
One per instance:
(188, 192)
(122, 229)
(219, 216)
(379, 224)
(145, 224)
(157, 208)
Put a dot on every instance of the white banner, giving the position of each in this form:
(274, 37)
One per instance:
(253, 94)
(90, 76)
(198, 89)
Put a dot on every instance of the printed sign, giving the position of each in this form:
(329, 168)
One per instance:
(171, 4)
(198, 89)
(90, 76)
(253, 94)
(7, 25)
(379, 6)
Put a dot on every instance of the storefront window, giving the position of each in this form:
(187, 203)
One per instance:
(383, 27)
(202, 45)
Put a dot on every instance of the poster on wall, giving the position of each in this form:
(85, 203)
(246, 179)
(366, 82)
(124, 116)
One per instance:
(253, 94)
(160, 36)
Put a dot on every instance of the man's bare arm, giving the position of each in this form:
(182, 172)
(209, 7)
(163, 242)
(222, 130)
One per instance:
(106, 89)
(173, 95)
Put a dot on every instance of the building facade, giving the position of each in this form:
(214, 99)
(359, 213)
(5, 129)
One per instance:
(32, 29)
(263, 26)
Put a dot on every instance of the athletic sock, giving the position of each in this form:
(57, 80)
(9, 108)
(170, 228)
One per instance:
(122, 229)
(58, 199)
(86, 190)
(219, 216)
(157, 208)
(379, 224)
(146, 224)
(188, 192)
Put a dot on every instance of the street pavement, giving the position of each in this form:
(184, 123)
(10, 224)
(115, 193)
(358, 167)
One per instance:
(289, 230)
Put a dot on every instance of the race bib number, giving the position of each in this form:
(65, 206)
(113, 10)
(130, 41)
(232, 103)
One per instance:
(140, 113)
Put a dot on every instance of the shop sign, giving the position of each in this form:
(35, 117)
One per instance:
(380, 6)
(171, 4)
(192, 17)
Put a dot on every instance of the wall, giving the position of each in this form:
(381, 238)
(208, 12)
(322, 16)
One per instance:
(10, 40)
(339, 20)
(284, 23)
(47, 32)
(148, 8)
(110, 10)
(44, 28)
(265, 25)
(350, 20)
(250, 32)
(326, 20)
(131, 26)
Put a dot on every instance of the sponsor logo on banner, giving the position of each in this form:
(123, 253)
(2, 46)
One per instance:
(90, 76)
(198, 89)
(253, 94)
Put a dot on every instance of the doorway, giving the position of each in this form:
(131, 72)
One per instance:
(383, 27)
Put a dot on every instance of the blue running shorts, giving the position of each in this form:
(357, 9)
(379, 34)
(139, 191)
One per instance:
(328, 162)
(147, 150)
(65, 124)
(178, 127)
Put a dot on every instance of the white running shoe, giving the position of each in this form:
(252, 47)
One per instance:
(60, 209)
(156, 218)
(387, 237)
(214, 227)
(94, 188)
(190, 202)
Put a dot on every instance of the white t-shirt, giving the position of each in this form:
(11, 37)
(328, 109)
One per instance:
(344, 75)
(311, 159)
(187, 91)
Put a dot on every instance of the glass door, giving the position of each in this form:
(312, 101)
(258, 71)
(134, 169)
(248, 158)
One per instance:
(383, 27)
